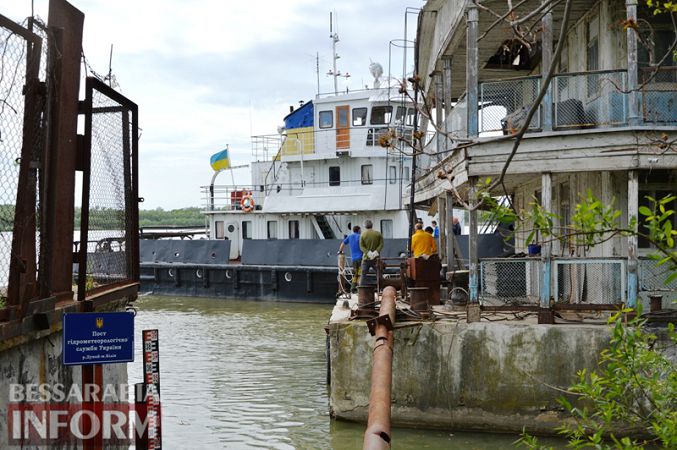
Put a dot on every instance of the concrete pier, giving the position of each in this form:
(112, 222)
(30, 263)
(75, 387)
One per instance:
(490, 376)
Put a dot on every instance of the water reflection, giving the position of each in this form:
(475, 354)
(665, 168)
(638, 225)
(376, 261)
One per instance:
(240, 375)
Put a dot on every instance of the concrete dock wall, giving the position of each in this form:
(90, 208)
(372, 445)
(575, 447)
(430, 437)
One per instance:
(451, 374)
(37, 359)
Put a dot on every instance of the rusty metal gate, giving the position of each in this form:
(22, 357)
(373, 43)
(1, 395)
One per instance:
(109, 245)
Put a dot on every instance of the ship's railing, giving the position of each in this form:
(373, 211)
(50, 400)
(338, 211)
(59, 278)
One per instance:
(305, 141)
(229, 197)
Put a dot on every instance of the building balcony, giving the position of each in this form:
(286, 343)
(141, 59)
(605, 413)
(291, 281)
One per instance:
(582, 100)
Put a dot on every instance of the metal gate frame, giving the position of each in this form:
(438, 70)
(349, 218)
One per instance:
(131, 167)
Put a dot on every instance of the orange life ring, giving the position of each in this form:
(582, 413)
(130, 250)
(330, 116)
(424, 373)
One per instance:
(247, 203)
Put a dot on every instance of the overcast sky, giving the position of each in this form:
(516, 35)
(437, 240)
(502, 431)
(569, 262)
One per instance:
(206, 73)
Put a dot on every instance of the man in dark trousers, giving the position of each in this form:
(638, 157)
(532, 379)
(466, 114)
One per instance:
(371, 244)
(353, 242)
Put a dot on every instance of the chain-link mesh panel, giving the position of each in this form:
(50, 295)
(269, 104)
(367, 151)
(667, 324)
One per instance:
(589, 100)
(14, 134)
(504, 104)
(109, 193)
(589, 281)
(513, 281)
(12, 70)
(653, 278)
(659, 95)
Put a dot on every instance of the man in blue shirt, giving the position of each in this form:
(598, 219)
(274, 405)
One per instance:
(353, 242)
(436, 230)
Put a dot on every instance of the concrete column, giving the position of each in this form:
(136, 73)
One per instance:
(446, 61)
(633, 215)
(439, 114)
(546, 247)
(473, 243)
(472, 68)
(633, 83)
(441, 218)
(546, 62)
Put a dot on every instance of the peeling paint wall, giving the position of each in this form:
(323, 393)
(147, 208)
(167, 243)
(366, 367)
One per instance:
(483, 376)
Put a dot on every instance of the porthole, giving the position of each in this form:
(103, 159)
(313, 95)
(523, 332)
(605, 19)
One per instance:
(170, 272)
(198, 273)
(177, 254)
(287, 277)
(231, 228)
(229, 274)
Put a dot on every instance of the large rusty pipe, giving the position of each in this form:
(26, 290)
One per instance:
(377, 436)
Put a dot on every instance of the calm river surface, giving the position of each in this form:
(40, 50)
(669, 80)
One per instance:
(240, 375)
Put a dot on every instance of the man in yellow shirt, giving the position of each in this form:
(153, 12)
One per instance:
(422, 243)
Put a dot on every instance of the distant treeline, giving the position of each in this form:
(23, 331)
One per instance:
(110, 218)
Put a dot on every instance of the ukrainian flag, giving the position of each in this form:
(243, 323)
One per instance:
(220, 160)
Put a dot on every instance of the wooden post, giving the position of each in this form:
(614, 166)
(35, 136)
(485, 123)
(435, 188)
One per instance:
(472, 68)
(546, 62)
(546, 260)
(633, 82)
(633, 215)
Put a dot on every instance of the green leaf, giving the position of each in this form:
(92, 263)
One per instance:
(643, 210)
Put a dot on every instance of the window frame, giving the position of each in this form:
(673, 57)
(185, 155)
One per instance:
(387, 112)
(369, 179)
(353, 116)
(268, 229)
(335, 182)
(247, 229)
(322, 114)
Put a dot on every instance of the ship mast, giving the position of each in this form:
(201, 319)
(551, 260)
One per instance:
(334, 39)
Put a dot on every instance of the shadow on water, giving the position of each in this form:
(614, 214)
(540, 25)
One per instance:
(243, 374)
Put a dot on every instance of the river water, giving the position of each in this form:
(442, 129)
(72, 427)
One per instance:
(244, 375)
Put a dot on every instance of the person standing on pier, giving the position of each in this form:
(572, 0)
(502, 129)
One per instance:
(371, 244)
(353, 243)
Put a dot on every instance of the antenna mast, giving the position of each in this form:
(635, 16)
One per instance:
(334, 39)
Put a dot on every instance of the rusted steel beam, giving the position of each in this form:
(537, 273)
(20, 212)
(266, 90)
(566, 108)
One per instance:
(22, 286)
(378, 435)
(66, 23)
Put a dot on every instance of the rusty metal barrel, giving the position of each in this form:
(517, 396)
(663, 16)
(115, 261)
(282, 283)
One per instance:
(377, 436)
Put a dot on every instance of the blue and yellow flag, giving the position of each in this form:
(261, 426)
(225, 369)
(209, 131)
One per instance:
(220, 160)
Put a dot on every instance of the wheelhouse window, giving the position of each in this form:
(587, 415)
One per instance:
(367, 174)
(381, 115)
(326, 119)
(334, 176)
(387, 228)
(411, 113)
(247, 229)
(359, 117)
(272, 229)
(294, 229)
